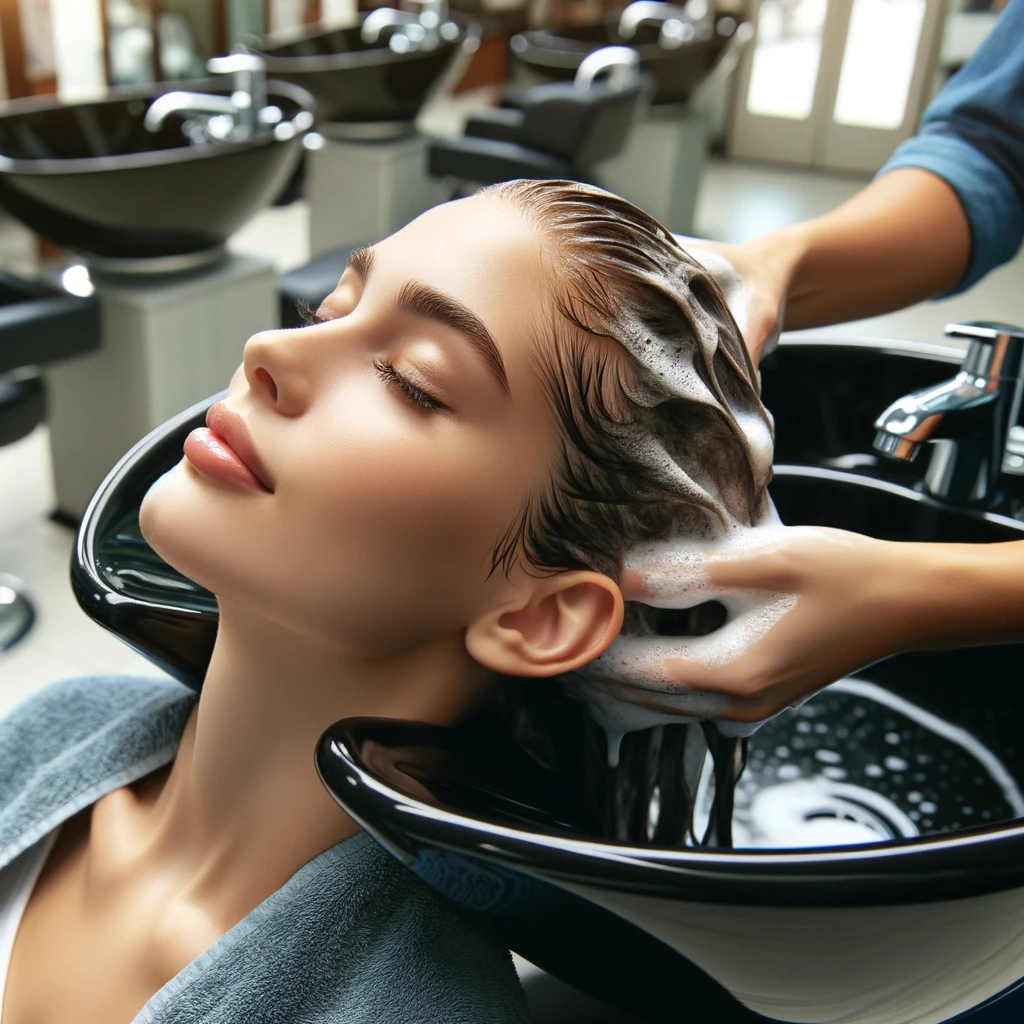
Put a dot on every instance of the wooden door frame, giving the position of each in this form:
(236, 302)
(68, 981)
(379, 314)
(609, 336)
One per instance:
(817, 142)
(19, 84)
(313, 13)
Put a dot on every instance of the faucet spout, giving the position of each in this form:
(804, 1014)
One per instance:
(242, 111)
(185, 102)
(973, 420)
(645, 10)
(679, 25)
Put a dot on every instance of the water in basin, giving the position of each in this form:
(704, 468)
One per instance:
(858, 764)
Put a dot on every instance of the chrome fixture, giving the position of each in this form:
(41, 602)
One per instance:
(621, 63)
(679, 25)
(222, 118)
(973, 421)
(415, 31)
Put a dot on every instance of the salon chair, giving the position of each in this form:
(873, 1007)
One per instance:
(38, 324)
(557, 130)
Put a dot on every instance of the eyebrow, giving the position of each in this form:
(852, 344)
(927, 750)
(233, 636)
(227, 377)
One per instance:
(419, 299)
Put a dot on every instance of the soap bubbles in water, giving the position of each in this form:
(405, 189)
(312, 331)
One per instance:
(858, 764)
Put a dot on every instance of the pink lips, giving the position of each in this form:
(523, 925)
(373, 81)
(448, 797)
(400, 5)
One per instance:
(223, 449)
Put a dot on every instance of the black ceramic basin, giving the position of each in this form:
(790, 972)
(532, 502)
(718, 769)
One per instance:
(90, 177)
(918, 925)
(358, 82)
(555, 56)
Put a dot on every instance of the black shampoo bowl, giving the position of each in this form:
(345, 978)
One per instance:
(90, 177)
(355, 82)
(550, 56)
(912, 914)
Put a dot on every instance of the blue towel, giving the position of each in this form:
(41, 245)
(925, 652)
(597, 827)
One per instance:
(351, 938)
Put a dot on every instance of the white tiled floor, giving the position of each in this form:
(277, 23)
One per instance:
(64, 641)
(736, 202)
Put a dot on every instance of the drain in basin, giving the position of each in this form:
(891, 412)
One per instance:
(858, 764)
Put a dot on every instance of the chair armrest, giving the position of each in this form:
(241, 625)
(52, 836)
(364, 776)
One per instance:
(488, 161)
(501, 124)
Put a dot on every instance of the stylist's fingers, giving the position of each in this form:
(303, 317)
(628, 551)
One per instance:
(680, 576)
(753, 291)
(666, 575)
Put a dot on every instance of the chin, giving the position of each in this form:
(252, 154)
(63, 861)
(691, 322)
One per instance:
(188, 523)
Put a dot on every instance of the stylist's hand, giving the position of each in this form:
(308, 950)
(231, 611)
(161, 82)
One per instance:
(840, 600)
(754, 285)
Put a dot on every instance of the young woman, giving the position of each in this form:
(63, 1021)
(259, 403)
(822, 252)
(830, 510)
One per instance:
(431, 488)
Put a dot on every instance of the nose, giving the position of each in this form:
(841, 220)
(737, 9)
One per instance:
(282, 368)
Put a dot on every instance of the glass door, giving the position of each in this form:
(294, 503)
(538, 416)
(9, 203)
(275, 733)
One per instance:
(834, 83)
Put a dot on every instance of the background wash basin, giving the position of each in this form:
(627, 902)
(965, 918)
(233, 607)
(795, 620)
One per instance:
(543, 55)
(90, 177)
(358, 82)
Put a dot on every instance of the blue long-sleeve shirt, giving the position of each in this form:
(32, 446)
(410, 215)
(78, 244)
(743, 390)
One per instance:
(972, 136)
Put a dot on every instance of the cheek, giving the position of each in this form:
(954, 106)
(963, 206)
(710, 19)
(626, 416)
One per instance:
(403, 519)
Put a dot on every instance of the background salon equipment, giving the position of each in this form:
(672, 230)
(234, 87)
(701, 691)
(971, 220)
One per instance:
(174, 304)
(893, 801)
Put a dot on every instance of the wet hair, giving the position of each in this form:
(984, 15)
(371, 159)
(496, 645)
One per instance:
(663, 434)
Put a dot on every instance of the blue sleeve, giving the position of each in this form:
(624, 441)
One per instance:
(972, 136)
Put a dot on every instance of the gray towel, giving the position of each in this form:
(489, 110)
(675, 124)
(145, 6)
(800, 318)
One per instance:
(351, 938)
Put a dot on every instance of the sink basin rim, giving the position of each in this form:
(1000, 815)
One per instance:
(470, 31)
(840, 476)
(952, 354)
(924, 869)
(51, 166)
(568, 58)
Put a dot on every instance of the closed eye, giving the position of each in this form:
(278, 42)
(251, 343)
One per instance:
(311, 317)
(394, 379)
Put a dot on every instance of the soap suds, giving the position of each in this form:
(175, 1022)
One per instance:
(632, 686)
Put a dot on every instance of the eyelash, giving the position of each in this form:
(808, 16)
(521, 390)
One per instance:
(393, 378)
(307, 313)
(384, 369)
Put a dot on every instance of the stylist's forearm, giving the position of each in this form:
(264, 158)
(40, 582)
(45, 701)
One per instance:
(962, 594)
(902, 239)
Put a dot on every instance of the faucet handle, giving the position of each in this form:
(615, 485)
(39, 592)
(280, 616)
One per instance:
(232, 63)
(995, 351)
(248, 84)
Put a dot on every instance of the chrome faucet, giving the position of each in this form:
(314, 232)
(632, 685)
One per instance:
(974, 422)
(221, 118)
(679, 25)
(415, 30)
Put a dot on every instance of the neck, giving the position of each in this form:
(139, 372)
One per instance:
(243, 808)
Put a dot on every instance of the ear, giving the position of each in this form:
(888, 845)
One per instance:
(551, 625)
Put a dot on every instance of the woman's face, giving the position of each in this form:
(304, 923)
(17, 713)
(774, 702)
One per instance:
(398, 440)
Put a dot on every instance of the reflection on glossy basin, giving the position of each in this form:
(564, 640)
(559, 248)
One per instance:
(89, 176)
(355, 81)
(913, 930)
(676, 73)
